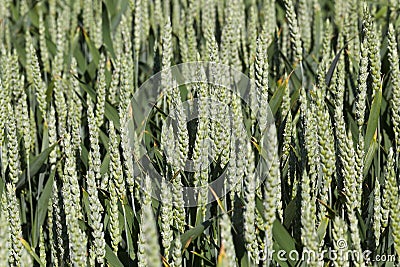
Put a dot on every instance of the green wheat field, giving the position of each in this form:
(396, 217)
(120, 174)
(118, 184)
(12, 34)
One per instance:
(70, 190)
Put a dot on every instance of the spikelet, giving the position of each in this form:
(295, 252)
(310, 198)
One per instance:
(352, 29)
(261, 80)
(52, 20)
(14, 89)
(20, 108)
(116, 172)
(287, 137)
(75, 113)
(308, 208)
(176, 15)
(181, 131)
(272, 191)
(145, 23)
(360, 107)
(177, 252)
(251, 35)
(88, 18)
(395, 225)
(158, 16)
(95, 217)
(75, 10)
(395, 74)
(60, 41)
(115, 231)
(191, 35)
(52, 130)
(326, 140)
(232, 181)
(72, 207)
(101, 91)
(304, 18)
(167, 52)
(113, 89)
(3, 133)
(4, 231)
(169, 146)
(340, 237)
(269, 17)
(326, 56)
(148, 248)
(116, 186)
(208, 17)
(227, 255)
(202, 147)
(167, 9)
(354, 234)
(38, 84)
(61, 106)
(345, 146)
(308, 109)
(60, 215)
(179, 213)
(377, 213)
(51, 232)
(295, 37)
(129, 157)
(138, 24)
(238, 25)
(238, 141)
(250, 208)
(391, 193)
(13, 155)
(127, 73)
(229, 38)
(351, 186)
(28, 41)
(14, 226)
(42, 247)
(183, 46)
(391, 185)
(213, 94)
(97, 22)
(55, 207)
(373, 45)
(94, 143)
(166, 76)
(317, 23)
(166, 215)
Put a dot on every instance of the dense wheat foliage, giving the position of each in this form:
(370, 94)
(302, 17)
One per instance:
(70, 190)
